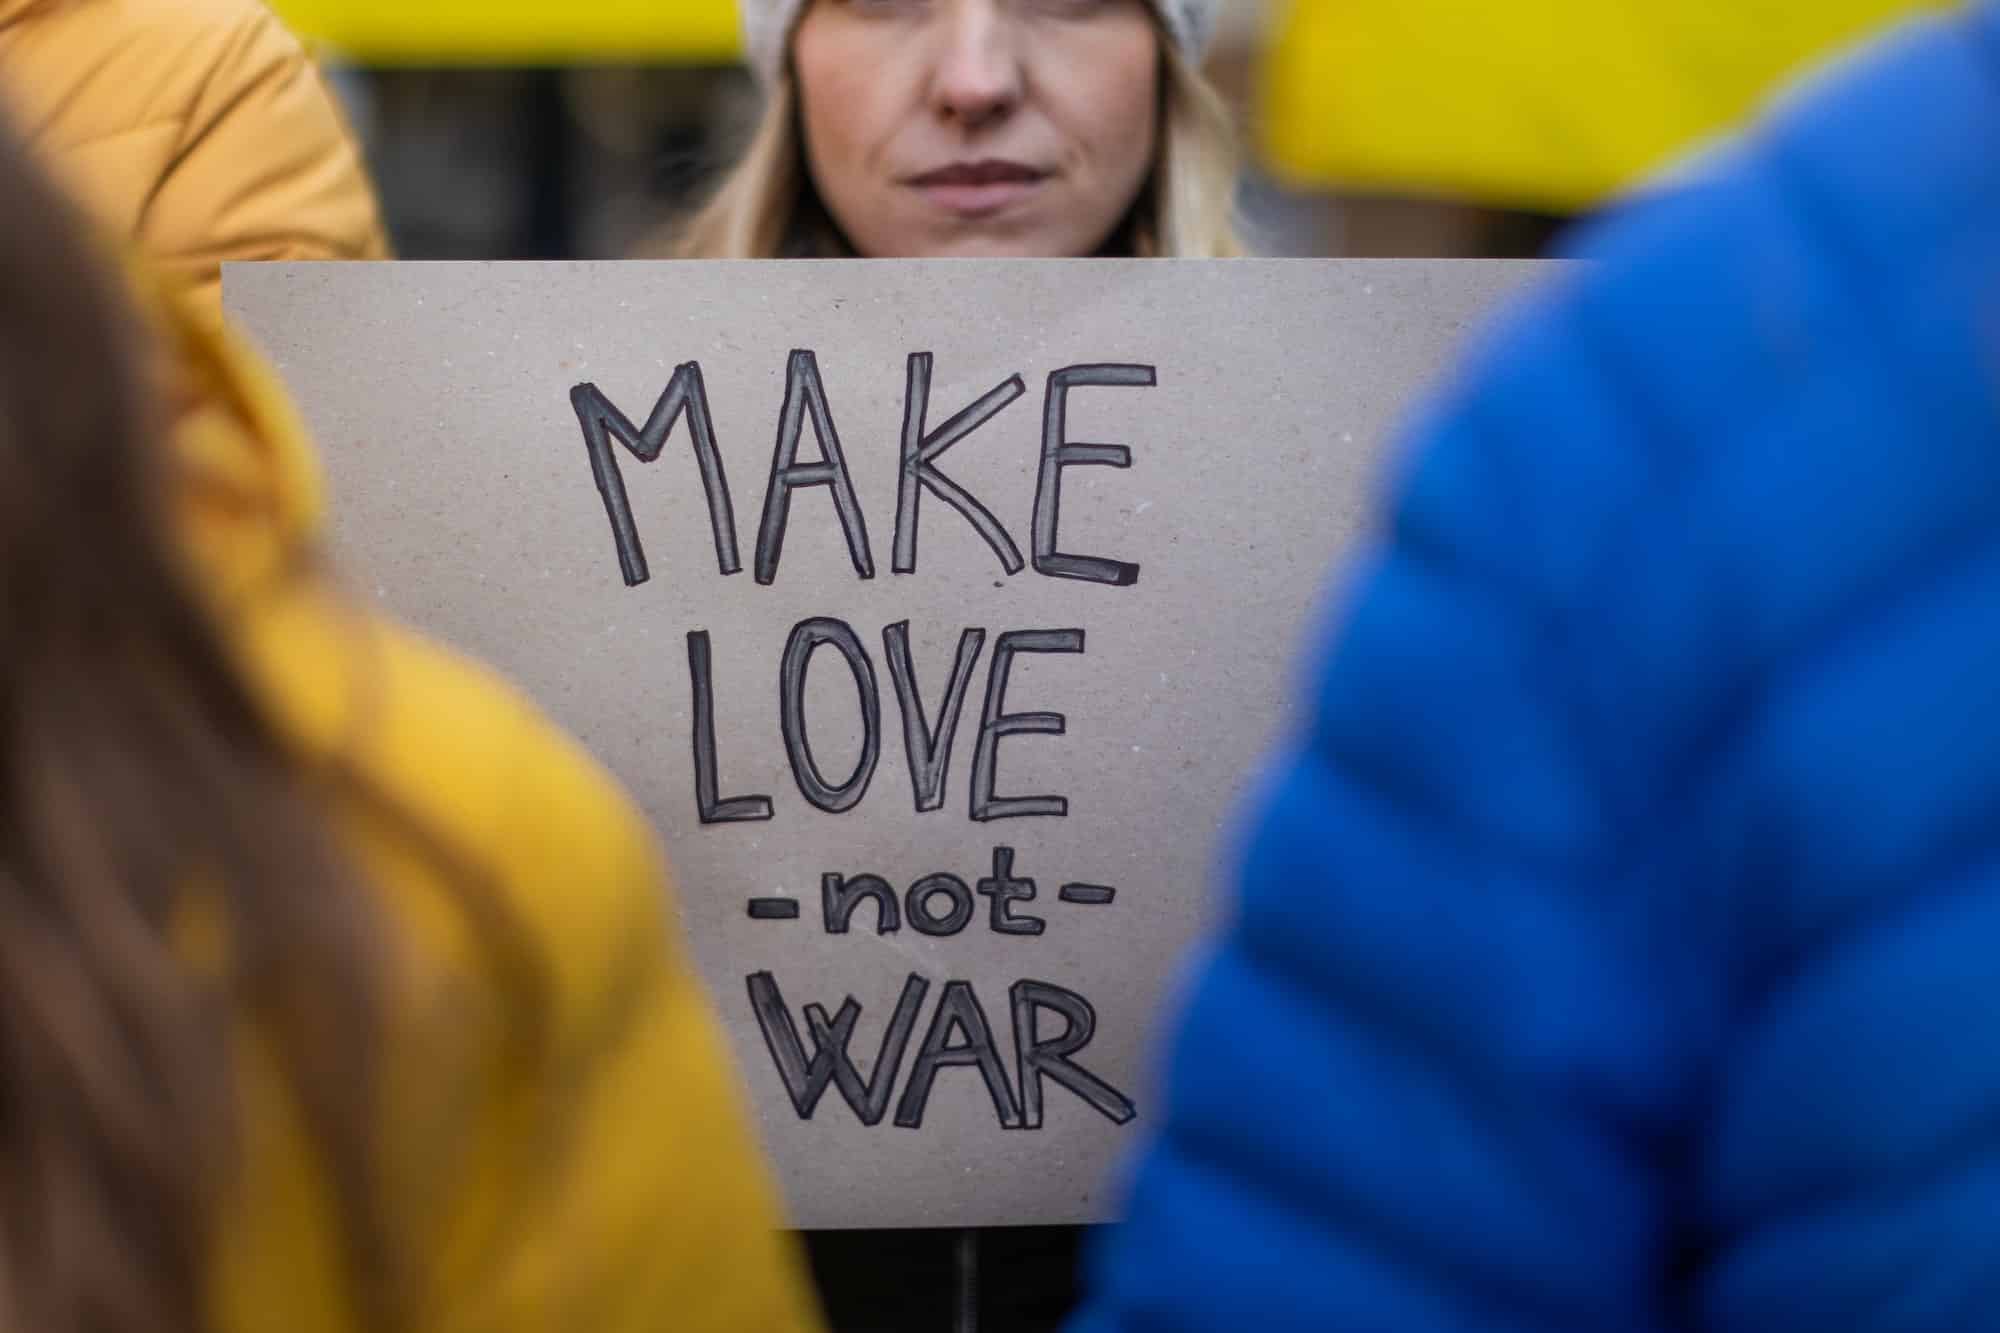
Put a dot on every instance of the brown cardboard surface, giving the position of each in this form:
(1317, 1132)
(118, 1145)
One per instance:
(447, 401)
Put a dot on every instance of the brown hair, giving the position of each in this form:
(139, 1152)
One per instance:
(766, 206)
(142, 791)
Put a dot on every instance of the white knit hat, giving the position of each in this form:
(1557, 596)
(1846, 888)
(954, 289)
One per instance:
(767, 27)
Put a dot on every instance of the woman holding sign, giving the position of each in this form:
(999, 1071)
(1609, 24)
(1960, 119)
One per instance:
(338, 991)
(996, 128)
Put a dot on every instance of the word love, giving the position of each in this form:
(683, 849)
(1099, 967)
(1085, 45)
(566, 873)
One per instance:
(927, 736)
(686, 397)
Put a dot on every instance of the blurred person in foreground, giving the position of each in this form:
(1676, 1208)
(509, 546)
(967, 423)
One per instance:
(995, 128)
(1619, 947)
(197, 130)
(337, 988)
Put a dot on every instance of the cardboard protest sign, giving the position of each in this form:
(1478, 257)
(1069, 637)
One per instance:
(937, 613)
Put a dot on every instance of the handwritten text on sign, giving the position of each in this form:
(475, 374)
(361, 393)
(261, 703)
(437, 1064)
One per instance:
(939, 904)
(936, 614)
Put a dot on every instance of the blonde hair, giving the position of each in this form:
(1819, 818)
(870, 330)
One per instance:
(767, 208)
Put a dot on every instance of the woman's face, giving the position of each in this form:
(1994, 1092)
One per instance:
(978, 127)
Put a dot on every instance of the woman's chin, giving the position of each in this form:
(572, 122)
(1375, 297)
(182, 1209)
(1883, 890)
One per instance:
(992, 240)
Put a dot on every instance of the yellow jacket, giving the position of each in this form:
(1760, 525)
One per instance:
(197, 130)
(622, 1190)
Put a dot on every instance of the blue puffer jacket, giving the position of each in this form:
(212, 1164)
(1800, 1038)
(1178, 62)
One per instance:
(1620, 950)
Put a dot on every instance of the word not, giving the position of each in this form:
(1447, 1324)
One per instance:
(805, 399)
(840, 895)
(958, 1036)
(927, 744)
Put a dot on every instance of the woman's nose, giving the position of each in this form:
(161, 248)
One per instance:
(978, 77)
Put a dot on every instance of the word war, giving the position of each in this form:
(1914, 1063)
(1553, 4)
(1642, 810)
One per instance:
(1016, 1105)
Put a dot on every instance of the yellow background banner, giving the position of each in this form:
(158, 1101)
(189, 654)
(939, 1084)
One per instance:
(516, 32)
(1550, 104)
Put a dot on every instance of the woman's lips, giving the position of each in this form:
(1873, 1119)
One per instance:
(978, 189)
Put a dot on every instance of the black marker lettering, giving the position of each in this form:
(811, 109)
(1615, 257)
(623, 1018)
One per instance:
(957, 1008)
(711, 808)
(920, 453)
(928, 750)
(1035, 1057)
(998, 723)
(839, 896)
(805, 394)
(1059, 453)
(805, 1080)
(806, 636)
(917, 905)
(1003, 888)
(1087, 895)
(602, 422)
